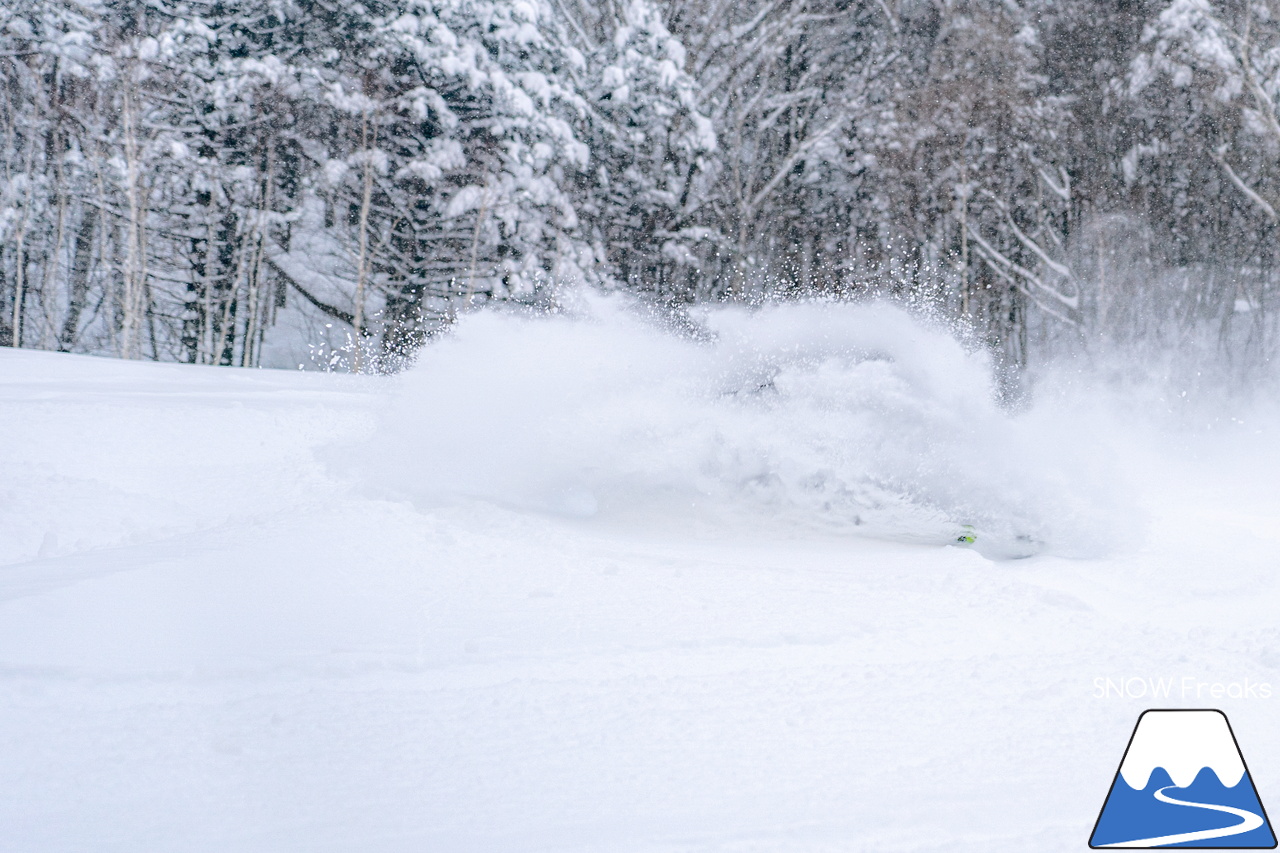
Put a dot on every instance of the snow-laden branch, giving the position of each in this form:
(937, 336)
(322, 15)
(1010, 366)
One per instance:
(1072, 302)
(331, 310)
(994, 260)
(999, 261)
(1063, 190)
(785, 167)
(1248, 191)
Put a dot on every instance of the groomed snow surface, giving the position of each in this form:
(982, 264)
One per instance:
(585, 585)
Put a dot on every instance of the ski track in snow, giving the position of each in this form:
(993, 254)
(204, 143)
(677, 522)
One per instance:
(216, 635)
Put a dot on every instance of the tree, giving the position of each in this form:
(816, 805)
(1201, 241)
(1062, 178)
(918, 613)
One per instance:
(641, 193)
(1206, 84)
(788, 87)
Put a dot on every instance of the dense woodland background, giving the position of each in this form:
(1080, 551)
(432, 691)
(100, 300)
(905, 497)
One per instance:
(234, 182)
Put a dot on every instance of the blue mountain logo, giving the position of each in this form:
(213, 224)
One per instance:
(1183, 783)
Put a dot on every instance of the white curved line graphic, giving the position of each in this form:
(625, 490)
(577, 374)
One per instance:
(1248, 821)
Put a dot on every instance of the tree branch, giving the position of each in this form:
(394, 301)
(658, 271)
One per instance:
(331, 310)
(1245, 188)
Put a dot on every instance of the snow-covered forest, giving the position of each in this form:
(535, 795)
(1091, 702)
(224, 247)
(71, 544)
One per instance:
(724, 426)
(251, 183)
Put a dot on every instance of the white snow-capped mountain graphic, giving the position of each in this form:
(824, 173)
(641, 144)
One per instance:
(1183, 783)
(1183, 743)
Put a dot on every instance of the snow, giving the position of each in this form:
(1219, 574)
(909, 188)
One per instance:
(240, 612)
(844, 418)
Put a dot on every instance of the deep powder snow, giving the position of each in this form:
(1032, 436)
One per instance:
(846, 418)
(583, 584)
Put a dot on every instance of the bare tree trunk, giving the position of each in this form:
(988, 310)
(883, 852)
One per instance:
(253, 325)
(204, 352)
(475, 249)
(20, 253)
(225, 350)
(965, 296)
(52, 267)
(81, 257)
(19, 295)
(366, 197)
(133, 267)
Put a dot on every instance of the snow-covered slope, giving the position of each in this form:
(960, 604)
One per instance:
(251, 611)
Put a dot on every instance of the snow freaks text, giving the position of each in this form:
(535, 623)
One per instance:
(1184, 687)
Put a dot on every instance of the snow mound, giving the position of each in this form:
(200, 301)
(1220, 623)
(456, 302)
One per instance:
(852, 418)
